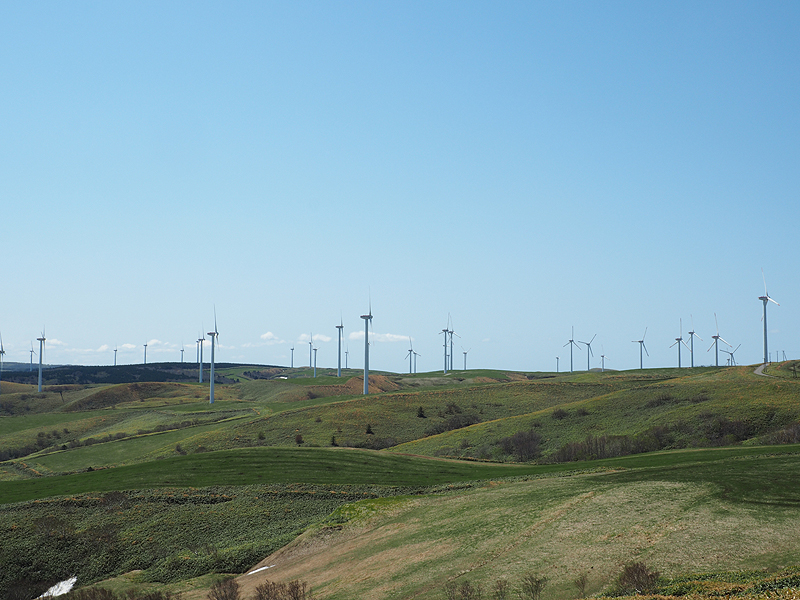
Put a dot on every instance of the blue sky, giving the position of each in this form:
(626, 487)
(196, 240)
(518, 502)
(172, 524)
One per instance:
(524, 167)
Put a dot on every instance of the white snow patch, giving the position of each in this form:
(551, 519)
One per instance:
(60, 588)
(261, 569)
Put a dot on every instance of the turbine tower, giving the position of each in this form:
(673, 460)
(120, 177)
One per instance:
(346, 355)
(340, 331)
(201, 340)
(557, 371)
(765, 298)
(310, 349)
(41, 341)
(730, 353)
(678, 342)
(692, 335)
(181, 352)
(367, 323)
(115, 357)
(452, 333)
(416, 354)
(716, 339)
(292, 349)
(410, 356)
(445, 331)
(602, 361)
(571, 343)
(145, 353)
(465, 357)
(641, 345)
(32, 353)
(588, 350)
(315, 361)
(214, 335)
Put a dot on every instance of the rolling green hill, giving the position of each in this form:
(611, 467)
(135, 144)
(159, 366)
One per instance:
(73, 449)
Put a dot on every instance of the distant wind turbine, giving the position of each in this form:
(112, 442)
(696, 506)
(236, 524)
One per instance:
(410, 356)
(346, 354)
(693, 335)
(416, 354)
(201, 341)
(557, 371)
(465, 357)
(588, 350)
(452, 333)
(115, 357)
(716, 339)
(310, 348)
(766, 298)
(214, 340)
(2, 353)
(367, 324)
(41, 341)
(32, 353)
(292, 363)
(602, 361)
(145, 353)
(678, 342)
(315, 361)
(731, 358)
(181, 352)
(641, 345)
(340, 331)
(445, 331)
(571, 343)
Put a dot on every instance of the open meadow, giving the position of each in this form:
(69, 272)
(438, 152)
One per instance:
(478, 477)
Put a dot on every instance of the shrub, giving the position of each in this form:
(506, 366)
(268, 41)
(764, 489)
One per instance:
(369, 429)
(227, 589)
(559, 414)
(421, 413)
(298, 439)
(462, 591)
(294, 590)
(636, 578)
(501, 591)
(580, 583)
(532, 586)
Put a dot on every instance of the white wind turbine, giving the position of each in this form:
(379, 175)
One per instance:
(693, 335)
(766, 298)
(340, 331)
(292, 363)
(416, 354)
(32, 353)
(588, 350)
(41, 341)
(115, 356)
(602, 360)
(410, 356)
(145, 353)
(571, 343)
(716, 339)
(445, 331)
(315, 361)
(214, 335)
(678, 342)
(310, 349)
(200, 342)
(465, 357)
(641, 345)
(730, 353)
(367, 324)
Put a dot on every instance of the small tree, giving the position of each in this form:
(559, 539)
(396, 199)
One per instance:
(421, 413)
(500, 590)
(532, 586)
(226, 589)
(333, 441)
(580, 583)
(636, 578)
(369, 429)
(298, 439)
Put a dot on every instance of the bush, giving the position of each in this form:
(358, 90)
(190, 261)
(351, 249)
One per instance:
(559, 414)
(532, 586)
(227, 589)
(462, 591)
(294, 590)
(636, 578)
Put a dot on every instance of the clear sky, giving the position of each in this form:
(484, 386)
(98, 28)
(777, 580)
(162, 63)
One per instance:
(524, 167)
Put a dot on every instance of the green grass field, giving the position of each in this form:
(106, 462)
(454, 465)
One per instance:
(77, 455)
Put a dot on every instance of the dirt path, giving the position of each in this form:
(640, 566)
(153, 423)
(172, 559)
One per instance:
(760, 371)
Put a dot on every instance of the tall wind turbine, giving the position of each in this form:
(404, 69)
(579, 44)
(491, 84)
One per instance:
(588, 350)
(310, 349)
(315, 361)
(292, 363)
(716, 339)
(340, 331)
(641, 345)
(2, 353)
(692, 335)
(115, 357)
(465, 357)
(346, 355)
(730, 353)
(416, 354)
(214, 335)
(410, 356)
(367, 323)
(41, 341)
(445, 331)
(571, 343)
(145, 353)
(32, 353)
(765, 298)
(201, 340)
(678, 342)
(181, 352)
(557, 371)
(602, 360)
(452, 333)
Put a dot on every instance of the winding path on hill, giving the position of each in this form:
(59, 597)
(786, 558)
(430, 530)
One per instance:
(760, 371)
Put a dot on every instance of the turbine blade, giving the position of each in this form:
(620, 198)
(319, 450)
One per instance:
(594, 336)
(773, 301)
(645, 349)
(726, 342)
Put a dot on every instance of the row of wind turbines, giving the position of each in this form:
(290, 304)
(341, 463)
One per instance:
(765, 299)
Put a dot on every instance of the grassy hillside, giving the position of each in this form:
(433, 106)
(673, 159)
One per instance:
(281, 427)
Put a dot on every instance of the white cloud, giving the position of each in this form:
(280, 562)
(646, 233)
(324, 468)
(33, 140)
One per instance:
(54, 342)
(270, 338)
(378, 337)
(103, 348)
(127, 347)
(318, 337)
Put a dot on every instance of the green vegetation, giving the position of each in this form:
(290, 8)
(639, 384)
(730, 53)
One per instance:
(568, 478)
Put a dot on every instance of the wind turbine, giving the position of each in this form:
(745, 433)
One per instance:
(32, 353)
(765, 298)
(292, 349)
(181, 352)
(716, 339)
(214, 335)
(641, 345)
(445, 331)
(416, 354)
(678, 342)
(340, 328)
(201, 340)
(115, 357)
(410, 355)
(346, 355)
(315, 361)
(310, 348)
(465, 357)
(2, 352)
(452, 333)
(602, 361)
(367, 324)
(41, 341)
(692, 335)
(571, 343)
(145, 353)
(557, 371)
(732, 359)
(588, 350)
